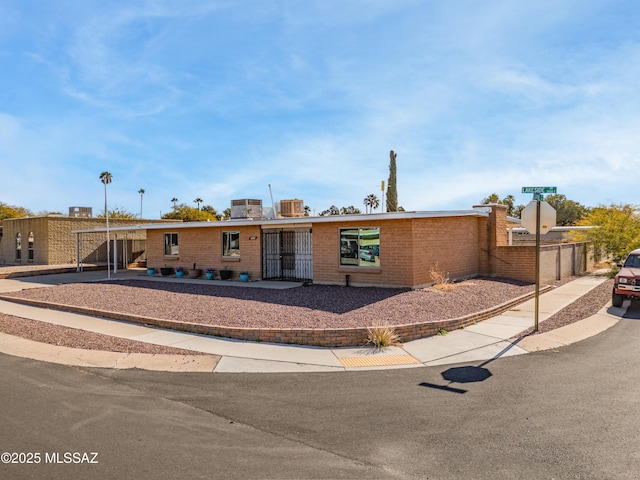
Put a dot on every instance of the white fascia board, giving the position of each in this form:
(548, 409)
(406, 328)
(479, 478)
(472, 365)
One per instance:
(297, 221)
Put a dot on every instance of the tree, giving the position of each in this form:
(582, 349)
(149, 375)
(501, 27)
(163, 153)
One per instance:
(11, 211)
(509, 201)
(189, 214)
(617, 230)
(371, 202)
(350, 210)
(226, 213)
(105, 178)
(117, 212)
(141, 192)
(568, 212)
(332, 210)
(307, 210)
(392, 191)
(212, 211)
(175, 202)
(198, 200)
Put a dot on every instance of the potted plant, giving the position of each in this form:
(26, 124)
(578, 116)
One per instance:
(151, 271)
(225, 273)
(244, 276)
(195, 272)
(209, 273)
(166, 271)
(179, 272)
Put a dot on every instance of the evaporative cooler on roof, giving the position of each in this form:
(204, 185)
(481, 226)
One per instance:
(246, 208)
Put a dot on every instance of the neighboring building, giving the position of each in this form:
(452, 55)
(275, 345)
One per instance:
(395, 249)
(48, 240)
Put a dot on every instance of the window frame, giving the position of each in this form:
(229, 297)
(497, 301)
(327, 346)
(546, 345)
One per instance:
(345, 243)
(171, 245)
(18, 246)
(227, 244)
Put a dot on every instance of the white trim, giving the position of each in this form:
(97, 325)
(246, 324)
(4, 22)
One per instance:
(300, 221)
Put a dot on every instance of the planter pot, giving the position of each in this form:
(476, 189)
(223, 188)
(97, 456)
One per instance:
(209, 276)
(195, 272)
(166, 271)
(179, 274)
(151, 271)
(225, 274)
(244, 276)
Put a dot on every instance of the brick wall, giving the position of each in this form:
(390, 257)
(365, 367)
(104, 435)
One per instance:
(203, 246)
(408, 250)
(54, 243)
(556, 261)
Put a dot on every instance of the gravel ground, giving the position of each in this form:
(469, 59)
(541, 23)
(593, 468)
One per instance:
(584, 307)
(304, 307)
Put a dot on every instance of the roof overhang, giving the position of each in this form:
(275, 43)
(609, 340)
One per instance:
(297, 221)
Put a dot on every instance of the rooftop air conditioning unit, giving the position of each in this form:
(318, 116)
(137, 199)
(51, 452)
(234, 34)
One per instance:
(291, 208)
(246, 208)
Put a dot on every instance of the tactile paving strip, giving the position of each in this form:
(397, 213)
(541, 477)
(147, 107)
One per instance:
(377, 361)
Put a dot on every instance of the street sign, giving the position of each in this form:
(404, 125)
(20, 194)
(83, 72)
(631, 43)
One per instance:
(539, 189)
(547, 217)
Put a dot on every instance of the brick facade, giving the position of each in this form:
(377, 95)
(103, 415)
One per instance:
(203, 246)
(55, 244)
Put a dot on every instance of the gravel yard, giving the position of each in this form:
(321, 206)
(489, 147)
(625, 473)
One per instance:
(303, 307)
(316, 306)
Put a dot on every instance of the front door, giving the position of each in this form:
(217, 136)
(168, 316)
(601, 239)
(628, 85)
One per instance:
(287, 255)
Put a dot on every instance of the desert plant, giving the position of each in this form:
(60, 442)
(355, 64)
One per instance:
(440, 278)
(382, 336)
(437, 275)
(442, 331)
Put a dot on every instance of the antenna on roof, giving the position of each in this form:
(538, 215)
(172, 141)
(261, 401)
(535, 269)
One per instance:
(273, 206)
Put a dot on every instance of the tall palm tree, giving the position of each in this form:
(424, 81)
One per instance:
(198, 201)
(371, 202)
(175, 201)
(141, 192)
(105, 178)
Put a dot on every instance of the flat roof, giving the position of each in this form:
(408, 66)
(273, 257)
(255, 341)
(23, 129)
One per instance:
(298, 221)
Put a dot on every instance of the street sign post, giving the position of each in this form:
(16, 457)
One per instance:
(543, 222)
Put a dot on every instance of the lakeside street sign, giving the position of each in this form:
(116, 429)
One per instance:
(539, 189)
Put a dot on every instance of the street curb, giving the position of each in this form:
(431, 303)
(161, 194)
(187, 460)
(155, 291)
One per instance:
(574, 332)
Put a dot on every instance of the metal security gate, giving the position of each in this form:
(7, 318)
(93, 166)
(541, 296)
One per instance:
(287, 255)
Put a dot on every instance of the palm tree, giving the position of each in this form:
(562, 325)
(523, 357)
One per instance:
(175, 201)
(105, 178)
(198, 201)
(141, 192)
(371, 202)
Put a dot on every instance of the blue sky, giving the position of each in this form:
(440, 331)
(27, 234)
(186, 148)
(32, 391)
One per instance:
(219, 99)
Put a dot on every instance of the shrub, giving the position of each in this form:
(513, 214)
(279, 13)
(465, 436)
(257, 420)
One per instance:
(382, 336)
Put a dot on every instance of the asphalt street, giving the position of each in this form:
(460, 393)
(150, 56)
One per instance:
(570, 413)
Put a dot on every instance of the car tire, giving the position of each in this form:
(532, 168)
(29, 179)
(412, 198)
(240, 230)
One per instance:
(617, 299)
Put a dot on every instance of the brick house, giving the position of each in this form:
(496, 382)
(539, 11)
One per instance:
(396, 249)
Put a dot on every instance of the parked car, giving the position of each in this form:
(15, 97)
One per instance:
(349, 249)
(369, 252)
(627, 281)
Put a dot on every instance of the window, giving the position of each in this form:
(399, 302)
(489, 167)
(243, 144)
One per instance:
(30, 246)
(360, 247)
(171, 245)
(18, 247)
(230, 244)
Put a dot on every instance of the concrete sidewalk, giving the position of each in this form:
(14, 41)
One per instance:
(486, 340)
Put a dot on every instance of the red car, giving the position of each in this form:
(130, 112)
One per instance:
(627, 281)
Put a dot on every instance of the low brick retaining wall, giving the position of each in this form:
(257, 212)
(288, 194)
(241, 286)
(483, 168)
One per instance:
(334, 337)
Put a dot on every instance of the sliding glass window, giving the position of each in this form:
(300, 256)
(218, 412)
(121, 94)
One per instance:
(360, 247)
